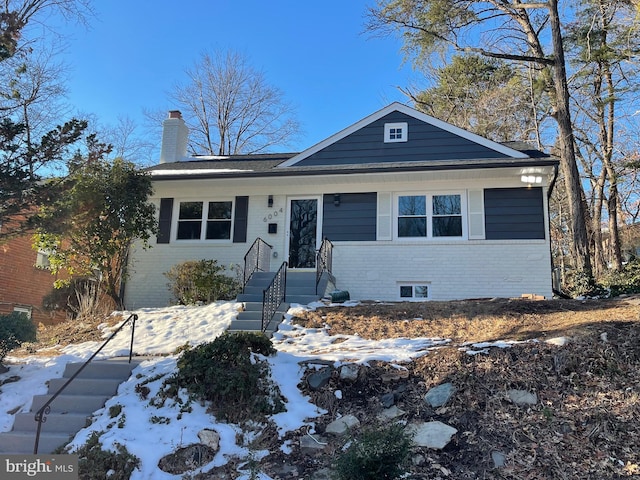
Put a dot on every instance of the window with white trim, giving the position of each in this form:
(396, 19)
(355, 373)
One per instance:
(204, 220)
(26, 311)
(413, 291)
(430, 216)
(396, 132)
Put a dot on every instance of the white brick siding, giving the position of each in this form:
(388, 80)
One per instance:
(452, 270)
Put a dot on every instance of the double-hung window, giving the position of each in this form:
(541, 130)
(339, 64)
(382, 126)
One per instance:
(430, 216)
(204, 220)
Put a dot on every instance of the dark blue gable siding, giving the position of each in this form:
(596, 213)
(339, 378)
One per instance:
(425, 143)
(353, 219)
(514, 214)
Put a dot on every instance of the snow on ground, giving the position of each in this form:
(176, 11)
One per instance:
(151, 433)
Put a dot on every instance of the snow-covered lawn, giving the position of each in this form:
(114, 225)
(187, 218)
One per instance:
(151, 433)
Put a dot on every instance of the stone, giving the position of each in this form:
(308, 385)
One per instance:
(499, 459)
(390, 413)
(522, 397)
(388, 399)
(438, 396)
(349, 372)
(312, 444)
(186, 459)
(342, 425)
(432, 434)
(319, 379)
(210, 438)
(323, 474)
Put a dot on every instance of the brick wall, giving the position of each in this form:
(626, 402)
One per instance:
(451, 270)
(21, 283)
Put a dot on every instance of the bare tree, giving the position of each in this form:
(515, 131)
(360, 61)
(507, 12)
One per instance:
(231, 108)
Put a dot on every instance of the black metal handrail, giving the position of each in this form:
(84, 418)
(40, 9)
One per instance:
(257, 259)
(46, 408)
(324, 260)
(274, 295)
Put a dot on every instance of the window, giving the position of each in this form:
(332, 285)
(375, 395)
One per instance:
(204, 221)
(430, 216)
(415, 292)
(26, 311)
(396, 132)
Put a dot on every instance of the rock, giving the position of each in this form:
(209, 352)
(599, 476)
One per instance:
(394, 375)
(522, 397)
(499, 459)
(323, 474)
(438, 396)
(342, 425)
(186, 459)
(319, 379)
(390, 413)
(388, 399)
(312, 444)
(349, 372)
(210, 438)
(3, 369)
(432, 434)
(418, 459)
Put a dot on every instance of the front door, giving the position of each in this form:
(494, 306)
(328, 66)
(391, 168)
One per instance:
(303, 232)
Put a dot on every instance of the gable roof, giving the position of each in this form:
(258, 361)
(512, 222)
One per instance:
(432, 145)
(443, 140)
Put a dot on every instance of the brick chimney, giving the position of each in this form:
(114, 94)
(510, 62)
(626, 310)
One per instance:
(175, 135)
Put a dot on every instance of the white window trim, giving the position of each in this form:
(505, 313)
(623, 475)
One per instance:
(429, 195)
(28, 311)
(413, 298)
(404, 126)
(203, 226)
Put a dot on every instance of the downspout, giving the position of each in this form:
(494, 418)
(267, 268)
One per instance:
(552, 184)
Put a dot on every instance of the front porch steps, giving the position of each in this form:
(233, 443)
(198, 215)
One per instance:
(71, 410)
(301, 288)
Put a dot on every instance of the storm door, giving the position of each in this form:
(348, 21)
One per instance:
(303, 232)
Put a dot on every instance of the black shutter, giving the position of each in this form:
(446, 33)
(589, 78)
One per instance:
(164, 223)
(240, 220)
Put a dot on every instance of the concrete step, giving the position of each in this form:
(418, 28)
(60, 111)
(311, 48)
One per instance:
(249, 298)
(71, 410)
(70, 403)
(80, 385)
(302, 299)
(249, 315)
(120, 369)
(68, 423)
(23, 442)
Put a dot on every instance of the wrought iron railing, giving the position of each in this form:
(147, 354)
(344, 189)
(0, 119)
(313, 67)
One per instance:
(257, 259)
(324, 260)
(41, 414)
(274, 295)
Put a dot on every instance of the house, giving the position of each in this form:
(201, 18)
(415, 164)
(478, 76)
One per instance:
(25, 280)
(416, 209)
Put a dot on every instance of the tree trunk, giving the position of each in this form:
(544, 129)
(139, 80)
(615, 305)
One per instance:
(580, 241)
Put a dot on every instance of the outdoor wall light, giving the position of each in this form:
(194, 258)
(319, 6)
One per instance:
(270, 201)
(531, 179)
(336, 199)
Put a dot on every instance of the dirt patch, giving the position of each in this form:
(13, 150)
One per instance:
(472, 320)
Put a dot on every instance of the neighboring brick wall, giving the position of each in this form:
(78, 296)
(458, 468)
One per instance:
(452, 270)
(21, 283)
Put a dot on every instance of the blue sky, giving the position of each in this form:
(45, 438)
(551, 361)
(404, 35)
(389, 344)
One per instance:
(316, 52)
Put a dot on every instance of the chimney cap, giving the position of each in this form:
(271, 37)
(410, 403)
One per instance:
(175, 114)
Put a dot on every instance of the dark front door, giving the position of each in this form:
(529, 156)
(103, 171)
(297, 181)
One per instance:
(303, 232)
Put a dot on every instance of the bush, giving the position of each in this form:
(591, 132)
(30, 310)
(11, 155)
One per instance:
(15, 329)
(196, 281)
(80, 297)
(97, 464)
(224, 373)
(624, 282)
(379, 453)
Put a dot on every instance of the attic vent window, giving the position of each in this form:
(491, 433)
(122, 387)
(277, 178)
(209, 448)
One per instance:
(396, 132)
